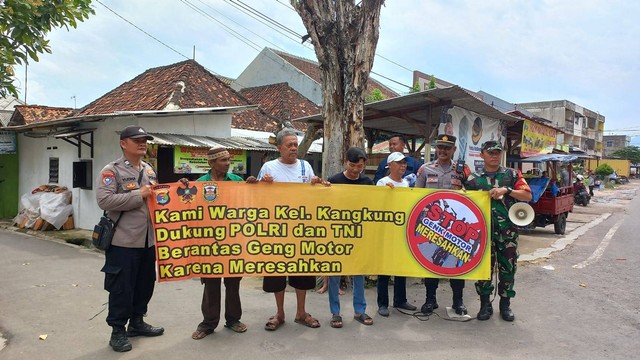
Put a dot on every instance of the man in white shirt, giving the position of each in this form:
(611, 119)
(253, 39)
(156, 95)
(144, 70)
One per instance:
(288, 168)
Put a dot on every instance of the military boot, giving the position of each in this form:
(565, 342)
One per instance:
(505, 309)
(119, 341)
(137, 327)
(430, 303)
(486, 310)
(458, 305)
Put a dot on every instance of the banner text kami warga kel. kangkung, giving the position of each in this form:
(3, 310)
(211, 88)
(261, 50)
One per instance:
(216, 229)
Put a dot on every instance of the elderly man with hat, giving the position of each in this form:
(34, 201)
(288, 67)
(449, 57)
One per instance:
(122, 189)
(505, 186)
(219, 160)
(397, 164)
(443, 173)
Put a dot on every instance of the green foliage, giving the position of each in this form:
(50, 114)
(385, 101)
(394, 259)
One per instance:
(628, 153)
(415, 88)
(375, 95)
(432, 82)
(604, 170)
(23, 27)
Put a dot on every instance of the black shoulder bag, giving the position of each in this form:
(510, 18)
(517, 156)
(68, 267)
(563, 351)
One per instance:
(104, 230)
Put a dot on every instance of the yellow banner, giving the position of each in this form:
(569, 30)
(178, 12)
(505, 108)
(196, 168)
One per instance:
(216, 229)
(537, 139)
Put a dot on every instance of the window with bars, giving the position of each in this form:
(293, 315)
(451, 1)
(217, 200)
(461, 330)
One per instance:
(54, 170)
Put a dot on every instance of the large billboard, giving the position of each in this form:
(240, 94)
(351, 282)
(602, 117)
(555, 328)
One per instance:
(471, 130)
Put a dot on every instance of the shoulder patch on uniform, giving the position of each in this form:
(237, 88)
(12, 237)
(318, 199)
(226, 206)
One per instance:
(107, 177)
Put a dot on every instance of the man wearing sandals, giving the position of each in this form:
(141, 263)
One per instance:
(219, 160)
(287, 168)
(355, 161)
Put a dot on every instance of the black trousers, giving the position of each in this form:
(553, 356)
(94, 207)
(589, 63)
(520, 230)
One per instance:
(431, 285)
(130, 276)
(211, 302)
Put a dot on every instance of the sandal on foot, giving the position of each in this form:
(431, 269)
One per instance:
(201, 333)
(274, 323)
(322, 290)
(364, 319)
(336, 321)
(237, 327)
(308, 321)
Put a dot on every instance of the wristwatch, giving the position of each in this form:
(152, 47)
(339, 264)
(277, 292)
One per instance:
(509, 190)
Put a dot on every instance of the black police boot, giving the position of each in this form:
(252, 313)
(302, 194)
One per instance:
(137, 327)
(119, 341)
(505, 309)
(458, 305)
(486, 310)
(430, 303)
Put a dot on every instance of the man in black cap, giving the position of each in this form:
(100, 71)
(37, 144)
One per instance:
(442, 173)
(122, 189)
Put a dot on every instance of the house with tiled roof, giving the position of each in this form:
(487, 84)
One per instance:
(31, 114)
(303, 75)
(184, 106)
(279, 104)
(184, 85)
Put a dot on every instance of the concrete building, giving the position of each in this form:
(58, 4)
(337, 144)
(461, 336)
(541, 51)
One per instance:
(303, 75)
(612, 143)
(582, 128)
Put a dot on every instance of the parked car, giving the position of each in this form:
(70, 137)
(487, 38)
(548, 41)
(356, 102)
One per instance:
(616, 179)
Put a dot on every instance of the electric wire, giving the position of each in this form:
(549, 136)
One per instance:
(238, 24)
(224, 26)
(143, 31)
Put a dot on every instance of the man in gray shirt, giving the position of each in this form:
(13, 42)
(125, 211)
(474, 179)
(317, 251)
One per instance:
(122, 189)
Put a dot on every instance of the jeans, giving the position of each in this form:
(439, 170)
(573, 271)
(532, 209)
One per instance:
(399, 290)
(359, 302)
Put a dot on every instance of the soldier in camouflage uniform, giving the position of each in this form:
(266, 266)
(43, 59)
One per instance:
(505, 186)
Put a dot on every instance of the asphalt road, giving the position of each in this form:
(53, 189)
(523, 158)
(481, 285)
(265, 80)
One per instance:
(577, 303)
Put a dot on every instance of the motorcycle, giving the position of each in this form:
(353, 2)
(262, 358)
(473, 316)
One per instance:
(581, 194)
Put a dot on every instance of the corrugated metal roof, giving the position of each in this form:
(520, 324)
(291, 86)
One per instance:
(411, 113)
(240, 143)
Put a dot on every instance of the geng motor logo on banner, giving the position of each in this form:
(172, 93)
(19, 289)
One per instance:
(446, 233)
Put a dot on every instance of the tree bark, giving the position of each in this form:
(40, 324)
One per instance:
(345, 37)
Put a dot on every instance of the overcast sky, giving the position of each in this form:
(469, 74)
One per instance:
(586, 51)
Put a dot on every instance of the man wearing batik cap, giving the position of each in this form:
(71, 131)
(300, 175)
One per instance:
(219, 160)
(442, 173)
(505, 186)
(122, 189)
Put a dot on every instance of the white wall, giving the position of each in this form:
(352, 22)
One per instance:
(34, 156)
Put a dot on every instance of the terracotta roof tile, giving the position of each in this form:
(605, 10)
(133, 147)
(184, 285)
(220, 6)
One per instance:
(182, 85)
(311, 69)
(29, 114)
(279, 103)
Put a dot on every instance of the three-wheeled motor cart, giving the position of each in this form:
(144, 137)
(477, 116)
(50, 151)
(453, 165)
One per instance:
(552, 198)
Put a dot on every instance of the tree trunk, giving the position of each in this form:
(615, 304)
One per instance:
(344, 37)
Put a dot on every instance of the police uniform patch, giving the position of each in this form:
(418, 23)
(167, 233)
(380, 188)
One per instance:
(108, 177)
(162, 197)
(131, 186)
(210, 192)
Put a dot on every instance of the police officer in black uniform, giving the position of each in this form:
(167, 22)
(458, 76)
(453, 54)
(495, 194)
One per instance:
(122, 189)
